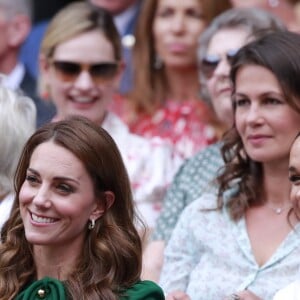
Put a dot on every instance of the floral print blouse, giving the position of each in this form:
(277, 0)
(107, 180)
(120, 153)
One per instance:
(209, 256)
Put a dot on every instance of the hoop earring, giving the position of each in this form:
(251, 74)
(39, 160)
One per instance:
(91, 224)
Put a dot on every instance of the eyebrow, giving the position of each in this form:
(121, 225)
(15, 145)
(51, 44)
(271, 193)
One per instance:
(56, 177)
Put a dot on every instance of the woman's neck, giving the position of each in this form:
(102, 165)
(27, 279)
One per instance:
(276, 183)
(183, 84)
(53, 263)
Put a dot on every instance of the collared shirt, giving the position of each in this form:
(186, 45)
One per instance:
(209, 256)
(150, 164)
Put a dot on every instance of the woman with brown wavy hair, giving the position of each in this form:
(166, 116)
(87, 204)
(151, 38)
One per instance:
(241, 244)
(71, 234)
(165, 98)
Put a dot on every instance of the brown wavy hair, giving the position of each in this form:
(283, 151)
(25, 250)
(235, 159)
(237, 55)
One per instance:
(279, 53)
(111, 256)
(149, 84)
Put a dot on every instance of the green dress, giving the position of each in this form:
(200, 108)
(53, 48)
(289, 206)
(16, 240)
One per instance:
(53, 289)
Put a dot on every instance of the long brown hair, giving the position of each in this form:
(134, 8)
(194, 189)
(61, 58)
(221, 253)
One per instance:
(279, 53)
(149, 84)
(111, 256)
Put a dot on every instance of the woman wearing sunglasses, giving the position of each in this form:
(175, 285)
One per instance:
(81, 65)
(244, 242)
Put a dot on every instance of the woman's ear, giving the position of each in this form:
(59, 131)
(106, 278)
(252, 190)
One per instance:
(117, 78)
(43, 85)
(44, 64)
(103, 205)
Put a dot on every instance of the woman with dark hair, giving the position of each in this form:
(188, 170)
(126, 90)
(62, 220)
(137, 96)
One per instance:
(220, 41)
(71, 234)
(292, 291)
(241, 244)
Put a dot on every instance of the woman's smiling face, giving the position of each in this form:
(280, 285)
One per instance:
(83, 95)
(57, 198)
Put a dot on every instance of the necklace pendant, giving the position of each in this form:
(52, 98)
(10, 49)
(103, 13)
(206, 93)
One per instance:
(278, 210)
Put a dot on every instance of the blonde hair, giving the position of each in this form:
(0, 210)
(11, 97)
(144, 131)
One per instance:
(73, 20)
(17, 123)
(16, 7)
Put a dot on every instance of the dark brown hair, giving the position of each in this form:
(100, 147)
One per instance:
(111, 257)
(279, 53)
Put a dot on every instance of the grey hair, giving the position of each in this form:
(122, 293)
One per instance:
(15, 7)
(17, 123)
(257, 22)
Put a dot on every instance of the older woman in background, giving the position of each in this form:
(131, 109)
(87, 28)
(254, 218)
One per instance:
(17, 123)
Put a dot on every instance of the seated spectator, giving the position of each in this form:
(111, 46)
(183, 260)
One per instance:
(17, 123)
(223, 37)
(15, 27)
(165, 98)
(81, 84)
(71, 234)
(125, 13)
(241, 244)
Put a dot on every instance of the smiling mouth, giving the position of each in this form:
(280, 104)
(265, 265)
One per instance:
(42, 220)
(82, 100)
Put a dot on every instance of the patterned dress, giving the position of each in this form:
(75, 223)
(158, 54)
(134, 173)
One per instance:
(185, 125)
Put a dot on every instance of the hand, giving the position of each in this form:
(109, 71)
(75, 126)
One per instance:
(178, 295)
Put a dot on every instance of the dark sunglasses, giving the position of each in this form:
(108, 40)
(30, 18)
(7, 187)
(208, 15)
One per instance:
(210, 62)
(68, 71)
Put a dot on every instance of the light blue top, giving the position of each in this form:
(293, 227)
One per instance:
(195, 177)
(209, 256)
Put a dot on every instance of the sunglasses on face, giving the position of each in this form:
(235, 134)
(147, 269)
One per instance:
(210, 62)
(69, 71)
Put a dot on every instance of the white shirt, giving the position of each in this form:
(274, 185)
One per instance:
(150, 165)
(5, 208)
(14, 78)
(290, 292)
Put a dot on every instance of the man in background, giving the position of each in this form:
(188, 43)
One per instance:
(15, 25)
(125, 13)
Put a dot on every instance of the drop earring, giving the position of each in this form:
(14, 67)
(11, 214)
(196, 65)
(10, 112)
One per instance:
(91, 224)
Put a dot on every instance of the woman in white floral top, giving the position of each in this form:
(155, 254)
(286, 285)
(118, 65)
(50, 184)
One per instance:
(244, 243)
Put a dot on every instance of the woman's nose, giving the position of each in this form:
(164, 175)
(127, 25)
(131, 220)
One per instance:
(42, 197)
